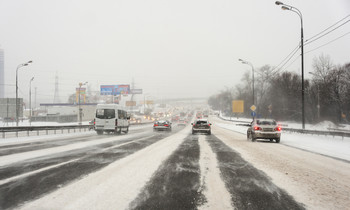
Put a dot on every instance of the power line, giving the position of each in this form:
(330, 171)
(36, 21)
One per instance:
(281, 68)
(293, 51)
(326, 33)
(327, 28)
(310, 40)
(327, 43)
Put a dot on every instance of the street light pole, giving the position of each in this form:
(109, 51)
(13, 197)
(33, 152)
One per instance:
(19, 66)
(297, 11)
(80, 110)
(30, 101)
(251, 65)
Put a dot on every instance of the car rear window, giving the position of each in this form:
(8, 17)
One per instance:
(201, 122)
(266, 122)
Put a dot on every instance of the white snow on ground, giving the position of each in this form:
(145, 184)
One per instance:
(212, 186)
(117, 184)
(337, 147)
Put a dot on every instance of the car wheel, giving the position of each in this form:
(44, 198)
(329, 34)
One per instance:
(193, 132)
(278, 140)
(99, 132)
(253, 138)
(209, 132)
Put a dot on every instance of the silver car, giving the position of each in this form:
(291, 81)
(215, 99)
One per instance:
(264, 129)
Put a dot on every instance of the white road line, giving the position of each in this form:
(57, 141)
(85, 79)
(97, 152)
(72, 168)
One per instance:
(212, 186)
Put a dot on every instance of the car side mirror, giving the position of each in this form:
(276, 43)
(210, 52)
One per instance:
(191, 123)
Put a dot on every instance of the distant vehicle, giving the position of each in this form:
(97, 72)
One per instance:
(111, 118)
(206, 114)
(264, 129)
(162, 125)
(92, 124)
(182, 122)
(175, 118)
(135, 120)
(201, 126)
(199, 115)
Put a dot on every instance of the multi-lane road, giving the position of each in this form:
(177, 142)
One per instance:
(167, 170)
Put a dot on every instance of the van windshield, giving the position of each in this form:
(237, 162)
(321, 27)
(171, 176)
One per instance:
(105, 113)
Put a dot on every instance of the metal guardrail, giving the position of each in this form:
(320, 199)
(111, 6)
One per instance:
(333, 133)
(29, 129)
(69, 128)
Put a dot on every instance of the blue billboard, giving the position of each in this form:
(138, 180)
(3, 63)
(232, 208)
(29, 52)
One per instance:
(115, 89)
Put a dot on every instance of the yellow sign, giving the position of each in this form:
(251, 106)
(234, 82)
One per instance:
(237, 106)
(253, 108)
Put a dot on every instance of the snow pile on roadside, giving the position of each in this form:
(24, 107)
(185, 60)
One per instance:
(336, 147)
(323, 126)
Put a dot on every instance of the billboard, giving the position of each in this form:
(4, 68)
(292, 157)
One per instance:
(136, 91)
(237, 106)
(82, 93)
(130, 103)
(115, 89)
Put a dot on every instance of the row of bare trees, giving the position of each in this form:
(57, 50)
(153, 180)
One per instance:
(278, 94)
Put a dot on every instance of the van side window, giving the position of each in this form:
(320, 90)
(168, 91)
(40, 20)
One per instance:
(121, 114)
(105, 113)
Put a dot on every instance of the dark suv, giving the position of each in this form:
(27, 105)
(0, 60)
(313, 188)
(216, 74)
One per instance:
(201, 126)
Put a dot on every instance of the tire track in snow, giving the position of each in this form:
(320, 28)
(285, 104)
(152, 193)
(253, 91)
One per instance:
(249, 187)
(175, 185)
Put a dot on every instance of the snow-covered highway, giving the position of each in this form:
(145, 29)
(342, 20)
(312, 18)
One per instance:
(168, 170)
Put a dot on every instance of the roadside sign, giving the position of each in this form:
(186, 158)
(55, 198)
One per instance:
(136, 91)
(253, 108)
(237, 106)
(253, 114)
(130, 103)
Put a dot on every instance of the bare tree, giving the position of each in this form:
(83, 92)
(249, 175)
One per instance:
(322, 65)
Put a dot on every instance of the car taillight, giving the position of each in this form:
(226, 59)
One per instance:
(94, 121)
(166, 125)
(155, 125)
(257, 128)
(278, 128)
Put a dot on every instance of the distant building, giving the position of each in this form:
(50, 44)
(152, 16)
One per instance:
(2, 74)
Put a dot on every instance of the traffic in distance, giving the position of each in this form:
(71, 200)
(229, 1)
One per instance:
(171, 159)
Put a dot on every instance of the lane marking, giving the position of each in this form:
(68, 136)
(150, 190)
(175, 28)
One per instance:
(212, 185)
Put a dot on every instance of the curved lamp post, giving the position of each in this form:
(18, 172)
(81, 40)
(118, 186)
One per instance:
(251, 65)
(295, 10)
(19, 66)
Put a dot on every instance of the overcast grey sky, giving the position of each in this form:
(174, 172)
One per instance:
(187, 48)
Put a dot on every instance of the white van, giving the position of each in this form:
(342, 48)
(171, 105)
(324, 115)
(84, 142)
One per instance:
(111, 118)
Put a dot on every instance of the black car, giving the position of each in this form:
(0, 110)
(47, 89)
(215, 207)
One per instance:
(201, 126)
